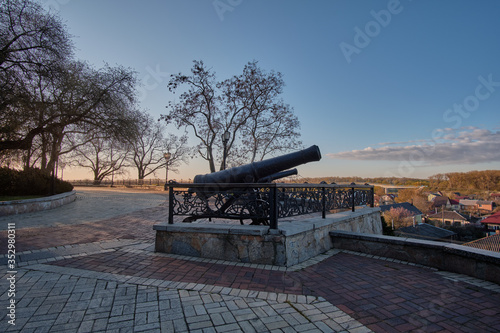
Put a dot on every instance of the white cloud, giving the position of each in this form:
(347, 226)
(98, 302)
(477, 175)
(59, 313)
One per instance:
(466, 145)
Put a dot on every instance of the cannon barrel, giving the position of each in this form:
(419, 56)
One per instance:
(278, 175)
(253, 172)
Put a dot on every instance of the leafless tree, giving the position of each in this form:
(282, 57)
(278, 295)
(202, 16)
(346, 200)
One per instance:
(45, 95)
(104, 156)
(268, 125)
(150, 144)
(31, 42)
(247, 106)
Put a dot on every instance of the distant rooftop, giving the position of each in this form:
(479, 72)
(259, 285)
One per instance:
(492, 219)
(406, 205)
(447, 215)
(490, 243)
(425, 231)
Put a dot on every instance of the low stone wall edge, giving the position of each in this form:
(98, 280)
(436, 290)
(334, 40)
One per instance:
(456, 258)
(36, 205)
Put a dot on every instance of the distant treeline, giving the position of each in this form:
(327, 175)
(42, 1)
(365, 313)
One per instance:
(488, 180)
(377, 180)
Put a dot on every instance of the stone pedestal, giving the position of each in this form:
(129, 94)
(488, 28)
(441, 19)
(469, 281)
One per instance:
(292, 243)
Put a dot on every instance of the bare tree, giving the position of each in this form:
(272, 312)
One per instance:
(248, 107)
(74, 97)
(269, 125)
(149, 147)
(198, 109)
(104, 156)
(43, 92)
(31, 42)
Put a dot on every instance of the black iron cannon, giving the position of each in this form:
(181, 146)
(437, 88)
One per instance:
(230, 194)
(258, 172)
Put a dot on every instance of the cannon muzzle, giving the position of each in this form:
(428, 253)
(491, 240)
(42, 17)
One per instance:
(253, 172)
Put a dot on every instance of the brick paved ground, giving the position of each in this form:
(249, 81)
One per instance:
(110, 280)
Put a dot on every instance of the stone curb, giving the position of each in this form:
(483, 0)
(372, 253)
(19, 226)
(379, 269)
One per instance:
(35, 205)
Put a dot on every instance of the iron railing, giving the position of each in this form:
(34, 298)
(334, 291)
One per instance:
(262, 203)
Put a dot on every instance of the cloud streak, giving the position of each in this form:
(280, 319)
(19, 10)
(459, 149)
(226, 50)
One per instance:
(466, 145)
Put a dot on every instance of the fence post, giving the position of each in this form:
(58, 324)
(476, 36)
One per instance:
(323, 202)
(372, 194)
(352, 197)
(273, 209)
(170, 203)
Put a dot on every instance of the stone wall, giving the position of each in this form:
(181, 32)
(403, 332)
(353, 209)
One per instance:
(456, 258)
(35, 205)
(308, 238)
(293, 242)
(239, 243)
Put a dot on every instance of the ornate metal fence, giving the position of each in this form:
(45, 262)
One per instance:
(262, 203)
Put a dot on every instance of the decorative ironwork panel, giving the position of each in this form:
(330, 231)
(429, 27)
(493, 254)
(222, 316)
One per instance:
(299, 201)
(361, 197)
(253, 202)
(342, 198)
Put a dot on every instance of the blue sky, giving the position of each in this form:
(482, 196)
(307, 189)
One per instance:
(384, 88)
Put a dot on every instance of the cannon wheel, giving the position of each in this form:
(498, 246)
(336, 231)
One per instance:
(258, 207)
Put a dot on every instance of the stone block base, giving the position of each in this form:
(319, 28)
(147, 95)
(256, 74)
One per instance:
(292, 243)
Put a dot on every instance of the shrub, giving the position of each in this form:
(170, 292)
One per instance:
(8, 178)
(386, 229)
(30, 181)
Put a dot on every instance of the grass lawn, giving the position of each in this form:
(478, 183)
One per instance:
(20, 197)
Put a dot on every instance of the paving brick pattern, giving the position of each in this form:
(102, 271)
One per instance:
(104, 277)
(381, 294)
(67, 300)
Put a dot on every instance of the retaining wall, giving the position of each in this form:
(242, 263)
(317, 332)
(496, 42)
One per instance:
(35, 205)
(456, 258)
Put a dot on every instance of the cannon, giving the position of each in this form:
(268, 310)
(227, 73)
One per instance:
(258, 172)
(222, 196)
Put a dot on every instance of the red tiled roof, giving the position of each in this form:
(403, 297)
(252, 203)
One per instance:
(492, 219)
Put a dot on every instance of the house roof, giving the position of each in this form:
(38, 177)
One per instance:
(492, 219)
(406, 205)
(447, 215)
(424, 231)
(440, 201)
(468, 202)
(484, 202)
(454, 202)
(490, 243)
